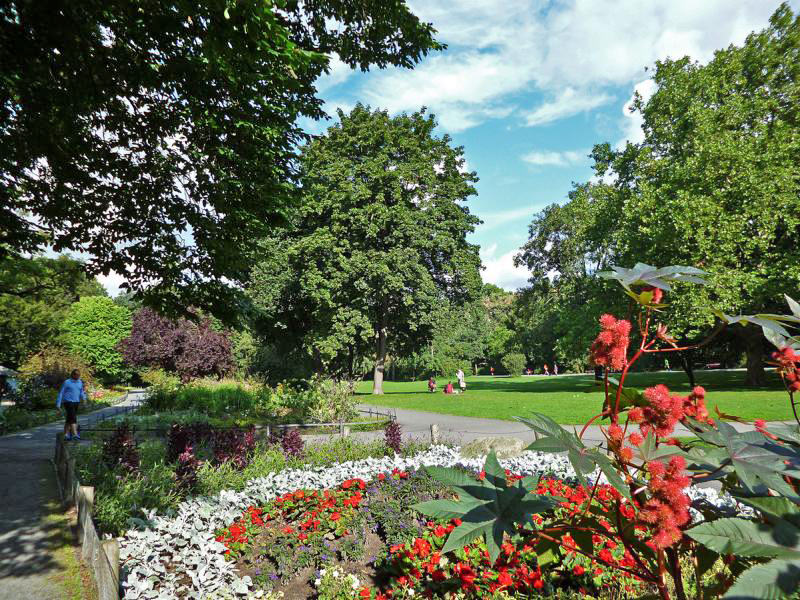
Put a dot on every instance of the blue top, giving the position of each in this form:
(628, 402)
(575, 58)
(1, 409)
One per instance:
(71, 391)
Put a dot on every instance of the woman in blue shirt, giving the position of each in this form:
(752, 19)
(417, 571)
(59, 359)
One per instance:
(72, 391)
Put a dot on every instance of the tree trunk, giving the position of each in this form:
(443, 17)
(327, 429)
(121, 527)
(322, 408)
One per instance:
(686, 362)
(380, 362)
(754, 349)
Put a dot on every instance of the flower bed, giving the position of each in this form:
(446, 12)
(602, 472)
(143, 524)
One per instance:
(179, 554)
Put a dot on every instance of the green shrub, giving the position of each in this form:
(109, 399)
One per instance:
(92, 329)
(514, 363)
(120, 496)
(52, 365)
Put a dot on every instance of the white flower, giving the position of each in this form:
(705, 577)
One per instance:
(410, 592)
(317, 582)
(322, 572)
(335, 573)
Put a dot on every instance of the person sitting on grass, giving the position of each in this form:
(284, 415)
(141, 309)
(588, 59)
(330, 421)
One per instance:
(71, 393)
(431, 384)
(448, 389)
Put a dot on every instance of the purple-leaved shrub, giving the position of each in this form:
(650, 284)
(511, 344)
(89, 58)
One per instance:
(393, 434)
(120, 449)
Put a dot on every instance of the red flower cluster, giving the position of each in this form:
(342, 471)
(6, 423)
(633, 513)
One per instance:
(787, 361)
(421, 565)
(611, 345)
(668, 508)
(694, 405)
(661, 415)
(664, 411)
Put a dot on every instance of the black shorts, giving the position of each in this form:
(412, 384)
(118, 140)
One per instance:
(71, 408)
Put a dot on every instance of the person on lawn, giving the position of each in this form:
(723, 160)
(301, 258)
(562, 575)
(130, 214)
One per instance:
(462, 385)
(448, 389)
(71, 393)
(431, 384)
(491, 371)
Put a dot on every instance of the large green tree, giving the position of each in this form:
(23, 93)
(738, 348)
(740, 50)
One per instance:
(377, 247)
(92, 328)
(714, 185)
(159, 137)
(35, 294)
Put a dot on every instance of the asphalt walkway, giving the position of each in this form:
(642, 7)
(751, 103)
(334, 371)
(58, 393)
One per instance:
(458, 429)
(28, 567)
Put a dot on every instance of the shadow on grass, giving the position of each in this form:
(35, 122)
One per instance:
(713, 381)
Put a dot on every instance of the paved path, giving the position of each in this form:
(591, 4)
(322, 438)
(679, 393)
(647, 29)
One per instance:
(27, 485)
(457, 429)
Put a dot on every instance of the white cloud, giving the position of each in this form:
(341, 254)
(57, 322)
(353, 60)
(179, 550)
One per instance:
(567, 158)
(632, 122)
(496, 219)
(569, 52)
(569, 102)
(339, 73)
(112, 283)
(500, 270)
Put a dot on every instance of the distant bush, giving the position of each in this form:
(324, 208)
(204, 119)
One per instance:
(316, 401)
(43, 373)
(514, 363)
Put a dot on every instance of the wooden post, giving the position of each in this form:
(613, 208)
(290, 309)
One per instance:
(341, 428)
(59, 447)
(434, 433)
(69, 484)
(111, 550)
(85, 502)
(345, 431)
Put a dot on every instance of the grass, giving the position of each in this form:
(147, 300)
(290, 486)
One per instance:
(565, 398)
(73, 576)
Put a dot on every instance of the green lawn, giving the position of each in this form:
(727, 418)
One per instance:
(565, 399)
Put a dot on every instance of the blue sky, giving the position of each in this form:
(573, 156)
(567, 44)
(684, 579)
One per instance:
(527, 87)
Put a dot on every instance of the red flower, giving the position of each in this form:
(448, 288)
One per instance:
(635, 439)
(422, 547)
(335, 516)
(668, 508)
(439, 531)
(504, 579)
(611, 345)
(364, 593)
(381, 476)
(578, 570)
(466, 574)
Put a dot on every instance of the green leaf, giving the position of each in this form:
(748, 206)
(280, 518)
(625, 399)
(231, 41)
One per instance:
(706, 558)
(746, 538)
(775, 508)
(547, 552)
(771, 581)
(793, 306)
(465, 533)
(446, 509)
(450, 476)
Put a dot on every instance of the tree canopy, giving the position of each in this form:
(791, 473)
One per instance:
(713, 185)
(35, 295)
(378, 245)
(160, 138)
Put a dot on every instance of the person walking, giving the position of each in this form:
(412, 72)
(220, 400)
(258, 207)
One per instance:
(491, 371)
(71, 393)
(546, 370)
(462, 385)
(555, 368)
